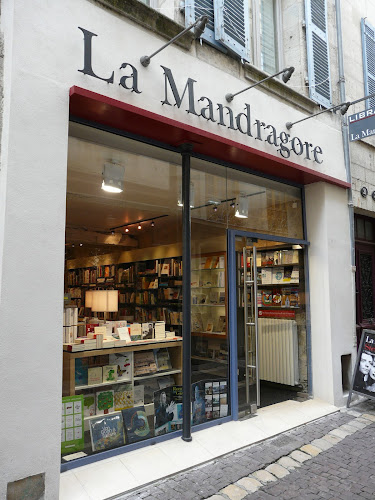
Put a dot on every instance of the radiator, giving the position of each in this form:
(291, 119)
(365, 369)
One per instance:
(278, 351)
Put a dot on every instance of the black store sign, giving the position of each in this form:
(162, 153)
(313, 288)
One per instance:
(362, 125)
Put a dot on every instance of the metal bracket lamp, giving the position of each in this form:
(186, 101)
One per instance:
(343, 107)
(199, 26)
(286, 72)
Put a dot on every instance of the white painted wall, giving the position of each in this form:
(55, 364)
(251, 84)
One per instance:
(43, 52)
(331, 288)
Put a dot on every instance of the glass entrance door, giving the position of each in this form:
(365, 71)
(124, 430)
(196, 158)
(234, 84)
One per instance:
(247, 326)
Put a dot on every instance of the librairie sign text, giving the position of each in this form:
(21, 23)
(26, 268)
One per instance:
(204, 107)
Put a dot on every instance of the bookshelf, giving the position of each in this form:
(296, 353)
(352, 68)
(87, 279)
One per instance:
(101, 356)
(149, 290)
(209, 314)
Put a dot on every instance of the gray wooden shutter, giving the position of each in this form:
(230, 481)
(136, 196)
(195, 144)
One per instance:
(232, 22)
(317, 51)
(368, 51)
(197, 8)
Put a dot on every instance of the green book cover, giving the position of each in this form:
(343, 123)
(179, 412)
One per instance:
(72, 433)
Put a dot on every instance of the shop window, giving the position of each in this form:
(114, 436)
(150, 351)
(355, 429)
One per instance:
(122, 375)
(368, 54)
(318, 52)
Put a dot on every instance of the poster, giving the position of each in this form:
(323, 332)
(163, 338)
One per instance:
(72, 438)
(363, 381)
(168, 409)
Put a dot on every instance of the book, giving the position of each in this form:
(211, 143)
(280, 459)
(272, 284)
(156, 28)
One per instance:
(123, 397)
(81, 371)
(147, 331)
(107, 432)
(209, 326)
(110, 373)
(123, 333)
(101, 329)
(104, 402)
(165, 269)
(136, 424)
(124, 362)
(166, 407)
(159, 329)
(139, 395)
(163, 361)
(89, 404)
(277, 275)
(95, 375)
(135, 331)
(144, 363)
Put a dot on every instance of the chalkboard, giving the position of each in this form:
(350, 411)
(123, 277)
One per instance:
(363, 381)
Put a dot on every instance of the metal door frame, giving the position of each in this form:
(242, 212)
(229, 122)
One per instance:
(232, 304)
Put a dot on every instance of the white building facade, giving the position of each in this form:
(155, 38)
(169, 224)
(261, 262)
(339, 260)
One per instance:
(76, 96)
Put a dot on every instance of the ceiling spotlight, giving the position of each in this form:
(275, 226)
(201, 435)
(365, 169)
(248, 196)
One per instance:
(152, 223)
(139, 226)
(242, 211)
(215, 208)
(126, 230)
(112, 233)
(73, 245)
(81, 244)
(232, 205)
(113, 178)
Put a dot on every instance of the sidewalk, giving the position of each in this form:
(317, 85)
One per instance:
(132, 470)
(332, 458)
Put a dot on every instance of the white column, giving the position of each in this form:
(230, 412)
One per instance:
(331, 288)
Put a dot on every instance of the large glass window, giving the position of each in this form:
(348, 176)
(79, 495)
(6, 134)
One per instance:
(123, 282)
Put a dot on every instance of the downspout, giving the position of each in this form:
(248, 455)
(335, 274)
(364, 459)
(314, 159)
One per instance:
(345, 139)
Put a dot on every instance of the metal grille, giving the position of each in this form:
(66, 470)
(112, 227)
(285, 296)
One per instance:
(234, 20)
(205, 8)
(321, 67)
(318, 14)
(365, 267)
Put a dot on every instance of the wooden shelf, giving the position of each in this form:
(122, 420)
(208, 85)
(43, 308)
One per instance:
(83, 387)
(156, 375)
(209, 305)
(210, 335)
(220, 361)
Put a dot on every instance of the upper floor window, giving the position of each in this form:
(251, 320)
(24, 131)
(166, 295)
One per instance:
(368, 52)
(228, 28)
(318, 52)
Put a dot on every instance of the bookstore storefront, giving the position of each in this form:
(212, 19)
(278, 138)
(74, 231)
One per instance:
(125, 323)
(228, 238)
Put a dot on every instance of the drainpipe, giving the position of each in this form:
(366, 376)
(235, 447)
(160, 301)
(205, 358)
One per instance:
(345, 139)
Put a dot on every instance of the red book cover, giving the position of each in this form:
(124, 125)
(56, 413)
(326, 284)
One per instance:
(90, 328)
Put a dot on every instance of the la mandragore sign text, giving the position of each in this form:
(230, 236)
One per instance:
(204, 107)
(362, 125)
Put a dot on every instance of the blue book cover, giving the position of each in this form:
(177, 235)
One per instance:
(107, 432)
(136, 424)
(81, 371)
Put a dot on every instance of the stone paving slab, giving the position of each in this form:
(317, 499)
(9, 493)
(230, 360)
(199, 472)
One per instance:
(344, 469)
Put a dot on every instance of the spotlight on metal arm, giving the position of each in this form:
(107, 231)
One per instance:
(343, 107)
(287, 73)
(199, 26)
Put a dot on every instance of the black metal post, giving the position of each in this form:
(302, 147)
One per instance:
(186, 150)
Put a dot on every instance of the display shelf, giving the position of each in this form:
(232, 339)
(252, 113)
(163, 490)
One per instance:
(174, 348)
(206, 287)
(215, 335)
(276, 284)
(278, 307)
(279, 265)
(156, 375)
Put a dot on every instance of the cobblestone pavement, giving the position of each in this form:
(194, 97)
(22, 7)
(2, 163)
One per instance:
(330, 458)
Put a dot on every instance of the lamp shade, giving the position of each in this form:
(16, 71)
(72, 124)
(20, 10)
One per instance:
(88, 298)
(104, 300)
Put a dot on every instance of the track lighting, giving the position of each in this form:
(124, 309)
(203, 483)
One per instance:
(152, 223)
(126, 230)
(139, 226)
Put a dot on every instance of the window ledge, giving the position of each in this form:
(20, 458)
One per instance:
(144, 15)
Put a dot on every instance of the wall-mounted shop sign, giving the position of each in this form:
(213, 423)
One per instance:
(186, 97)
(362, 125)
